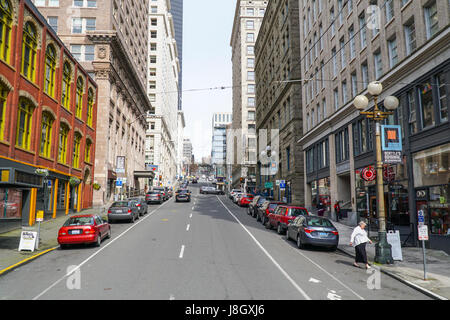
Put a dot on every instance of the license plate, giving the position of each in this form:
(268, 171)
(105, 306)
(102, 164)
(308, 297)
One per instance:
(76, 231)
(323, 234)
(119, 211)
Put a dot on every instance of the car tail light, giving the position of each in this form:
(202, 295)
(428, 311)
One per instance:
(129, 210)
(308, 230)
(109, 211)
(335, 233)
(90, 231)
(138, 205)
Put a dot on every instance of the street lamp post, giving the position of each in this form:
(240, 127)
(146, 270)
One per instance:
(383, 250)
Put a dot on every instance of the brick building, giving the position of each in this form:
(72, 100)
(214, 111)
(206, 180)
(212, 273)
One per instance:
(48, 112)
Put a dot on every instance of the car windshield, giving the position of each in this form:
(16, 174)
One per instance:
(319, 222)
(295, 212)
(182, 191)
(119, 204)
(273, 206)
(153, 192)
(79, 221)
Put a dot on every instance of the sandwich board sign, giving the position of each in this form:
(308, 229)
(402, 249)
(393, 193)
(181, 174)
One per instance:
(28, 241)
(393, 238)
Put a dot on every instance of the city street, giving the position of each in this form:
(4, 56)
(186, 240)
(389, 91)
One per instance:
(206, 249)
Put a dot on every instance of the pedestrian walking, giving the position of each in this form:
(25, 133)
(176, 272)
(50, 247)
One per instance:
(337, 210)
(359, 238)
(320, 209)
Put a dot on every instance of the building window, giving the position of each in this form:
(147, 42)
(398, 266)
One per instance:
(410, 37)
(351, 35)
(50, 71)
(443, 101)
(90, 109)
(3, 97)
(365, 75)
(431, 20)
(426, 105)
(76, 150)
(250, 24)
(79, 98)
(67, 78)
(24, 123)
(87, 151)
(83, 52)
(393, 56)
(5, 29)
(250, 37)
(363, 33)
(336, 99)
(62, 151)
(378, 65)
(251, 50)
(46, 134)
(342, 145)
(29, 51)
(53, 22)
(389, 5)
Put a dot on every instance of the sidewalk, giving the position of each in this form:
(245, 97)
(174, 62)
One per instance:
(410, 270)
(10, 257)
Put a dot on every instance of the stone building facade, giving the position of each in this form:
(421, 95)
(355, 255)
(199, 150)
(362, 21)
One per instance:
(279, 100)
(110, 39)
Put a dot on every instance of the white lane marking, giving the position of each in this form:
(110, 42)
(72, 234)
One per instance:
(188, 226)
(190, 216)
(181, 252)
(288, 277)
(314, 280)
(98, 251)
(193, 208)
(333, 296)
(339, 281)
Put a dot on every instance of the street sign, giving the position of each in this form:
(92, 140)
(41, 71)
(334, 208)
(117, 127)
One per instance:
(277, 182)
(423, 232)
(283, 184)
(268, 185)
(421, 217)
(40, 216)
(391, 137)
(119, 183)
(392, 157)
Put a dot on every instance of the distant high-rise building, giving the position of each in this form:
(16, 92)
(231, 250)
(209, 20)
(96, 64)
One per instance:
(177, 12)
(219, 141)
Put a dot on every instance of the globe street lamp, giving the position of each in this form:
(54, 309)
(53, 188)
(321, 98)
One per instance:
(383, 251)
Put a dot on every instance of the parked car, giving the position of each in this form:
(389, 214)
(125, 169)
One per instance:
(195, 180)
(163, 191)
(283, 215)
(183, 195)
(210, 190)
(154, 196)
(123, 210)
(252, 206)
(170, 192)
(141, 204)
(267, 208)
(313, 230)
(236, 197)
(233, 192)
(83, 229)
(245, 199)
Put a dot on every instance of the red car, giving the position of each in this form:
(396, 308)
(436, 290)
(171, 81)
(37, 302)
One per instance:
(266, 209)
(83, 229)
(245, 199)
(283, 215)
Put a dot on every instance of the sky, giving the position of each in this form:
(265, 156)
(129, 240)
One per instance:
(207, 30)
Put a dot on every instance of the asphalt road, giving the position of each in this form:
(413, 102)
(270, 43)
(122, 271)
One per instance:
(206, 249)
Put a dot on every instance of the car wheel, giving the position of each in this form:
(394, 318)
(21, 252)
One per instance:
(287, 235)
(99, 240)
(300, 244)
(258, 218)
(63, 246)
(268, 225)
(254, 214)
(333, 248)
(132, 219)
(280, 229)
(264, 220)
(108, 235)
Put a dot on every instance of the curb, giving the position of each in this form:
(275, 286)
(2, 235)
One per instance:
(25, 261)
(406, 282)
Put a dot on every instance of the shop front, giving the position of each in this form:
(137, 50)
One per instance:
(321, 195)
(431, 169)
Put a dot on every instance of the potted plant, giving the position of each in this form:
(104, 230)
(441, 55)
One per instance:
(74, 181)
(96, 186)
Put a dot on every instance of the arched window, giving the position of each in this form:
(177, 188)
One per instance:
(87, 151)
(79, 99)
(76, 150)
(3, 97)
(5, 29)
(29, 46)
(50, 71)
(67, 77)
(63, 135)
(46, 134)
(24, 123)
(90, 109)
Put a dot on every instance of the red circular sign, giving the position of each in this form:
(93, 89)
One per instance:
(368, 174)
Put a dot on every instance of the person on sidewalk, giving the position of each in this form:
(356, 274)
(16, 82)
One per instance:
(359, 239)
(337, 210)
(320, 209)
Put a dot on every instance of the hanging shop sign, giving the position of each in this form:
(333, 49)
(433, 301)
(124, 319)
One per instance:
(368, 173)
(391, 137)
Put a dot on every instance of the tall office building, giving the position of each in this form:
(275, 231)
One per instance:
(162, 86)
(177, 12)
(247, 20)
(219, 141)
(110, 40)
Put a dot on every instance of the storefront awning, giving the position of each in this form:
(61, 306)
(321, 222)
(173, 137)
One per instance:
(112, 175)
(144, 174)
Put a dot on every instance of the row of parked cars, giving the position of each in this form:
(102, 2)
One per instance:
(291, 220)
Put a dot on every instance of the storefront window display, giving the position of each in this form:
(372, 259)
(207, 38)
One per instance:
(320, 192)
(10, 203)
(432, 166)
(439, 210)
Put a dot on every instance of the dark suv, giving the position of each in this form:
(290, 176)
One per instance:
(266, 209)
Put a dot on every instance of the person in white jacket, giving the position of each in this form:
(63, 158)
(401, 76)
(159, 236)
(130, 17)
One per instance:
(359, 238)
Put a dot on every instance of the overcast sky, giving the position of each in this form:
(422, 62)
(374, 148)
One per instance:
(206, 64)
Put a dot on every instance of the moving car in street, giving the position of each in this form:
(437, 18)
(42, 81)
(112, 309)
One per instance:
(83, 229)
(163, 191)
(266, 209)
(283, 215)
(313, 230)
(123, 210)
(154, 197)
(211, 190)
(141, 204)
(245, 199)
(183, 195)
